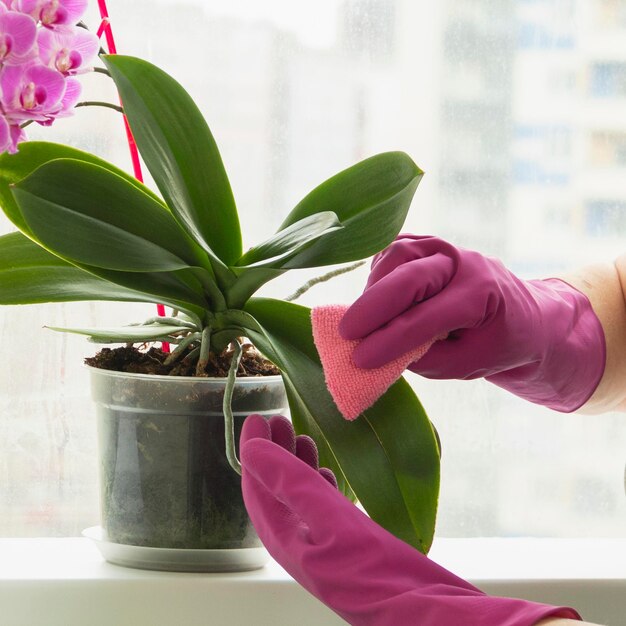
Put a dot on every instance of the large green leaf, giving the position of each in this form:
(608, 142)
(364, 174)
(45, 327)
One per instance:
(178, 289)
(371, 200)
(388, 455)
(29, 274)
(248, 282)
(266, 261)
(180, 152)
(32, 155)
(287, 242)
(125, 334)
(99, 219)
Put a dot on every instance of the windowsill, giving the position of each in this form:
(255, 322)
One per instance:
(65, 582)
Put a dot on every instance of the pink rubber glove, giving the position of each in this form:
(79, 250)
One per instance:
(539, 339)
(355, 567)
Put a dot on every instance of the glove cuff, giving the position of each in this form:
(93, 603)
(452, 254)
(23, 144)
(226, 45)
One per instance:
(451, 607)
(574, 357)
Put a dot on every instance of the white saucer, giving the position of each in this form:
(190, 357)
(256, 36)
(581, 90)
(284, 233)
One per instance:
(177, 560)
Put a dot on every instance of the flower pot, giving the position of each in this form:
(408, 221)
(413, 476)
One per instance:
(169, 498)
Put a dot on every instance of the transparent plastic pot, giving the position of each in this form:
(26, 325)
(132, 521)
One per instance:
(169, 499)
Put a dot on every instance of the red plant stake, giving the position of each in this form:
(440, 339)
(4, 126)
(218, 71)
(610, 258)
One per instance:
(105, 27)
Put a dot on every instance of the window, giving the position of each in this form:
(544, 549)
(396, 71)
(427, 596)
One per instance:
(545, 25)
(293, 93)
(608, 149)
(608, 79)
(606, 218)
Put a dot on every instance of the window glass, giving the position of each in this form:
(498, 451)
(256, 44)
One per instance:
(516, 111)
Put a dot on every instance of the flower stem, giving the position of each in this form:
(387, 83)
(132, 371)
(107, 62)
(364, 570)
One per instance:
(322, 279)
(229, 420)
(98, 103)
(102, 70)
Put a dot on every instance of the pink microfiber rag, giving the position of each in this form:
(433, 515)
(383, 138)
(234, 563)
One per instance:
(353, 389)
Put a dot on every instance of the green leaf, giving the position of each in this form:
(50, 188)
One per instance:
(32, 155)
(124, 334)
(178, 289)
(180, 152)
(371, 200)
(248, 283)
(99, 219)
(290, 240)
(29, 274)
(388, 455)
(265, 262)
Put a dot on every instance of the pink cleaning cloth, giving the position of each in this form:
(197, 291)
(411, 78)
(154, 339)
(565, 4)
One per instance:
(353, 389)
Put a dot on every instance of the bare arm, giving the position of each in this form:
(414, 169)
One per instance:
(605, 286)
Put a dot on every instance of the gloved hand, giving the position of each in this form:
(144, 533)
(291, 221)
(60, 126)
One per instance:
(358, 569)
(539, 339)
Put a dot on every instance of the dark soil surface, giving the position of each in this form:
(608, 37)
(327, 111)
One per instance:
(152, 361)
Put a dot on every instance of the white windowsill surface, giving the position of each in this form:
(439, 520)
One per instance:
(65, 582)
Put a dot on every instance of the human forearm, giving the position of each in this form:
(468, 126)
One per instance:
(605, 286)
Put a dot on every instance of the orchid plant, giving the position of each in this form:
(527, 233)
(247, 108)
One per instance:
(89, 231)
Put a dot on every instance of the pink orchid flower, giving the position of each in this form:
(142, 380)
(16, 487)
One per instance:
(32, 92)
(73, 89)
(66, 49)
(5, 135)
(10, 136)
(52, 13)
(18, 34)
(41, 50)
